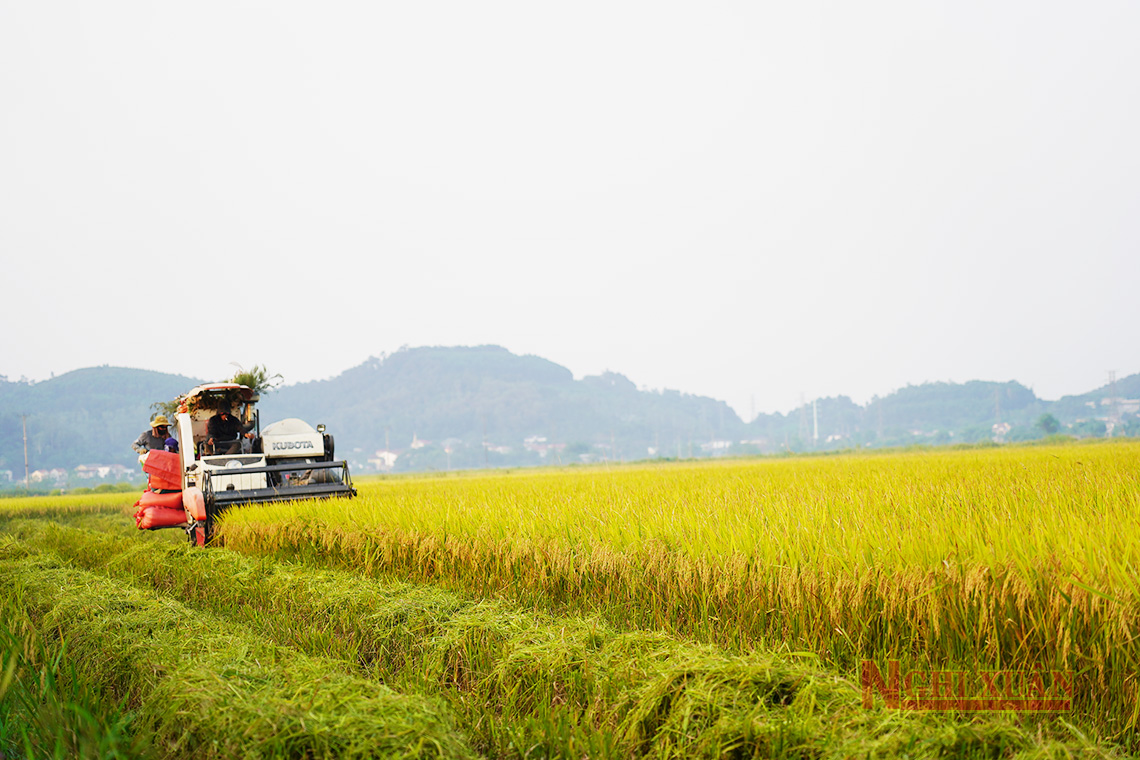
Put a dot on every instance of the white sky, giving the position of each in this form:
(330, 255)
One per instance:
(742, 200)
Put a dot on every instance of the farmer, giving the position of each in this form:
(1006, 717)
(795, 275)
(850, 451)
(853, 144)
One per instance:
(155, 438)
(225, 431)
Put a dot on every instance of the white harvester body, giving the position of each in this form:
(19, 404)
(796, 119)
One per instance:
(286, 460)
(292, 438)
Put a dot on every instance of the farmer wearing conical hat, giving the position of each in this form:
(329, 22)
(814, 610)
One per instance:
(155, 437)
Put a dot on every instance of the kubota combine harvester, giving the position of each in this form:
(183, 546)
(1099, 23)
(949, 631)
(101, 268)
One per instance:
(286, 460)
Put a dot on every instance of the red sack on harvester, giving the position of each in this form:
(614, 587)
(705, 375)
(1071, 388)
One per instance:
(161, 510)
(149, 518)
(164, 470)
(152, 499)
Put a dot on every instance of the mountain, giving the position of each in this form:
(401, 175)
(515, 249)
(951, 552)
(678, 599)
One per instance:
(89, 416)
(458, 407)
(463, 398)
(929, 413)
(1098, 402)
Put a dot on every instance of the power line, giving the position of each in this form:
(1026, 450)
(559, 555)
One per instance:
(27, 480)
(1114, 412)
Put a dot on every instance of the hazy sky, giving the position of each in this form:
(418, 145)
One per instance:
(742, 200)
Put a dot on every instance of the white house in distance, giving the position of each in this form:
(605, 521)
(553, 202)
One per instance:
(539, 445)
(384, 460)
(101, 471)
(56, 475)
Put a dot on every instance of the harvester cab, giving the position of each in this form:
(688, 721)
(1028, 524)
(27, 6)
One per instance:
(238, 462)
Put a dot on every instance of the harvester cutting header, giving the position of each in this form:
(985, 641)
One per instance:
(227, 459)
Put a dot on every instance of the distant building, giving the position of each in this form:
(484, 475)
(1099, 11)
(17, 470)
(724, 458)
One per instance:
(539, 445)
(89, 471)
(497, 449)
(1122, 405)
(56, 475)
(384, 460)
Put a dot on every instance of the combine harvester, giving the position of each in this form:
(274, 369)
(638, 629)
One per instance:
(288, 460)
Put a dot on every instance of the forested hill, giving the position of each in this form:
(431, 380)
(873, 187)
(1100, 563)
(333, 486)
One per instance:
(461, 398)
(484, 406)
(89, 416)
(931, 413)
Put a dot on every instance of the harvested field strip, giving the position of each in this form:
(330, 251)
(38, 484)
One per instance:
(45, 712)
(1013, 559)
(205, 688)
(530, 680)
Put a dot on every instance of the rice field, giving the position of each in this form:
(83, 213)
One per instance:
(680, 610)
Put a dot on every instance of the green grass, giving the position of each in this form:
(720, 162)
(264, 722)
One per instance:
(206, 688)
(46, 711)
(522, 681)
(652, 610)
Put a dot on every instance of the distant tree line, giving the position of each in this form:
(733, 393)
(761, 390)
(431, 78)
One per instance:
(486, 407)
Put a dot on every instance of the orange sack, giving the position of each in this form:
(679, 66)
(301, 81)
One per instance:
(152, 499)
(149, 518)
(164, 468)
(194, 502)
